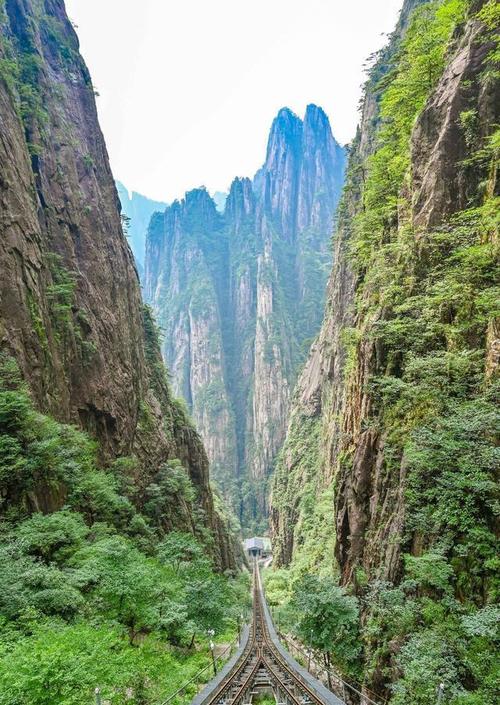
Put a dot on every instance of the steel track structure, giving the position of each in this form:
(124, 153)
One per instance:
(263, 667)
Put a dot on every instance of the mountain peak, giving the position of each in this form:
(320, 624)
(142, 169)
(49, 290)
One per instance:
(315, 115)
(286, 121)
(241, 197)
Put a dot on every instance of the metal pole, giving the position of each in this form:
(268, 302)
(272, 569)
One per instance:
(98, 700)
(440, 693)
(212, 648)
(310, 651)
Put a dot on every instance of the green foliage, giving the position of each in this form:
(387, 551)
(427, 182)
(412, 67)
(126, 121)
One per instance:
(302, 501)
(178, 550)
(328, 619)
(416, 71)
(425, 300)
(58, 663)
(278, 588)
(52, 538)
(452, 489)
(96, 593)
(64, 43)
(21, 67)
(490, 15)
(468, 120)
(425, 303)
(60, 295)
(427, 660)
(167, 496)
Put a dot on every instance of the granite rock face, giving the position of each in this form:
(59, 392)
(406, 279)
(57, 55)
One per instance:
(249, 289)
(339, 436)
(71, 312)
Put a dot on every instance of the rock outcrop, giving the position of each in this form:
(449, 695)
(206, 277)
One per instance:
(70, 304)
(364, 411)
(239, 294)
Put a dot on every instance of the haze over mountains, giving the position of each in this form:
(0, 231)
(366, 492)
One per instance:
(139, 209)
(239, 295)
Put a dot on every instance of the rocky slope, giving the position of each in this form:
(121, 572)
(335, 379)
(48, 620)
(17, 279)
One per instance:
(70, 304)
(138, 209)
(240, 293)
(393, 411)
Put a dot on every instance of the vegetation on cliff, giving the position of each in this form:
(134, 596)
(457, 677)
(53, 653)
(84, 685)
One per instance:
(413, 465)
(239, 295)
(108, 529)
(97, 594)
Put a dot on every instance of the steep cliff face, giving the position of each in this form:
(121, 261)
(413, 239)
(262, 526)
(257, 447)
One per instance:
(394, 408)
(70, 305)
(189, 249)
(249, 292)
(138, 209)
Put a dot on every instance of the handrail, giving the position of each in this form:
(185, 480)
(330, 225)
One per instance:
(324, 669)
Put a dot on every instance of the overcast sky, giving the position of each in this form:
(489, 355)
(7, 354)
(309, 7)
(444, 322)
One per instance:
(188, 88)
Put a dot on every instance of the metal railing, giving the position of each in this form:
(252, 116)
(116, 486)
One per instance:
(332, 676)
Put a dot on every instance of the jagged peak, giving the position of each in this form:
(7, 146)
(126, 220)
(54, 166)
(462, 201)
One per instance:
(241, 196)
(286, 133)
(157, 219)
(240, 184)
(317, 128)
(195, 205)
(316, 117)
(287, 115)
(197, 196)
(286, 122)
(193, 199)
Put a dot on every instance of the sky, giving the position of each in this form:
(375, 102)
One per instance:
(188, 88)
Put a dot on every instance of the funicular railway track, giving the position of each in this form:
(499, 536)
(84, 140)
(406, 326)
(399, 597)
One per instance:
(263, 669)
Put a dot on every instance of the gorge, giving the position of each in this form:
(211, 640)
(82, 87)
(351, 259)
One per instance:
(330, 330)
(239, 297)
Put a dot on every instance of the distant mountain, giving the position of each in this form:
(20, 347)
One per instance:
(220, 199)
(139, 209)
(239, 294)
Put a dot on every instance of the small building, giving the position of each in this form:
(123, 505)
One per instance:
(254, 547)
(258, 547)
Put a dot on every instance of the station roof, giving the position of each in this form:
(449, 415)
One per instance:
(254, 543)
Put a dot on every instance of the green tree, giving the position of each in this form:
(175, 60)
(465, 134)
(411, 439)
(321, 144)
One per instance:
(125, 582)
(52, 537)
(328, 620)
(179, 549)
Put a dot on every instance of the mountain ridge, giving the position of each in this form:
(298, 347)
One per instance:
(259, 267)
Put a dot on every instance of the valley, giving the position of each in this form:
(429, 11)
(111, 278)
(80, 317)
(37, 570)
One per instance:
(309, 359)
(239, 297)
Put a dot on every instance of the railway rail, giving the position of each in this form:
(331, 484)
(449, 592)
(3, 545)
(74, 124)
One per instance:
(263, 667)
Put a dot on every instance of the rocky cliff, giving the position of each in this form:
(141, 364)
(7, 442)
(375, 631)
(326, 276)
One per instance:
(240, 293)
(389, 443)
(70, 304)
